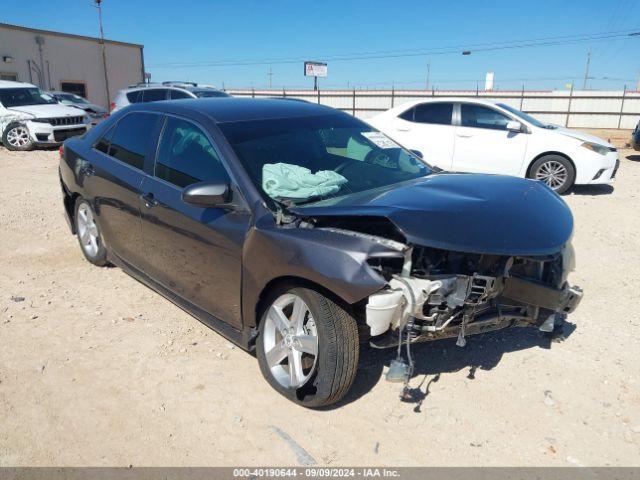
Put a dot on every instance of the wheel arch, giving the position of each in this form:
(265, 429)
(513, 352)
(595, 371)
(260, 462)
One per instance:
(544, 154)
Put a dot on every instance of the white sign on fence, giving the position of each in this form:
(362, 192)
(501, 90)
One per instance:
(488, 82)
(315, 69)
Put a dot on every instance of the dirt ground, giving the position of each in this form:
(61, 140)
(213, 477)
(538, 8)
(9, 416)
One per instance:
(97, 369)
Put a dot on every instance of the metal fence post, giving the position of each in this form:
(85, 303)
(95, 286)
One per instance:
(521, 98)
(624, 94)
(354, 102)
(253, 93)
(393, 96)
(566, 120)
(318, 96)
(284, 93)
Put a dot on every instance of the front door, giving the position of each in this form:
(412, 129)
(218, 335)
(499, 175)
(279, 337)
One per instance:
(484, 145)
(194, 251)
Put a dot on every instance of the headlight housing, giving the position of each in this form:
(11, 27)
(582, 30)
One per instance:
(41, 120)
(594, 147)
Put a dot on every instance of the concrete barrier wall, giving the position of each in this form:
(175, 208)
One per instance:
(579, 108)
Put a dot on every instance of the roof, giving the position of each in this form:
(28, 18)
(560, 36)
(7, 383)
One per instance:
(70, 35)
(11, 84)
(230, 109)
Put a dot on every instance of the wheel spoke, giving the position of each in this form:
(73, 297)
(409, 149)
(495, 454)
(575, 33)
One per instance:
(298, 314)
(94, 244)
(279, 319)
(307, 344)
(296, 375)
(85, 237)
(276, 355)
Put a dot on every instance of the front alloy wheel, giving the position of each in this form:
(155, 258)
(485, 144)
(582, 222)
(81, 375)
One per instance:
(554, 170)
(16, 137)
(307, 346)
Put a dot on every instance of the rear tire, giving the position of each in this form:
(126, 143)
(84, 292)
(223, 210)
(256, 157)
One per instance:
(88, 233)
(554, 170)
(16, 138)
(324, 378)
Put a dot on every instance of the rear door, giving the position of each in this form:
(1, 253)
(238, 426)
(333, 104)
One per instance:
(113, 176)
(196, 252)
(427, 127)
(483, 143)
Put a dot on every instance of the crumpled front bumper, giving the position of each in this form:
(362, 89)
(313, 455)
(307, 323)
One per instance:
(484, 303)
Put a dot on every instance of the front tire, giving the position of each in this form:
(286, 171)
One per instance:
(16, 138)
(554, 170)
(88, 233)
(307, 347)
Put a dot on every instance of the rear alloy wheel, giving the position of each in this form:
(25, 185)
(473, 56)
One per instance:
(88, 234)
(556, 171)
(16, 137)
(307, 347)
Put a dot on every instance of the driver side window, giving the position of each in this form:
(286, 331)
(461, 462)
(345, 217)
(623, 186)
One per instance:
(186, 156)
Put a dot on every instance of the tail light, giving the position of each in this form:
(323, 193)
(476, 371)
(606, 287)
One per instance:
(61, 151)
(112, 106)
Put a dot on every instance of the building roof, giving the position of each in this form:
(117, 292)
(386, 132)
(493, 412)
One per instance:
(70, 35)
(232, 109)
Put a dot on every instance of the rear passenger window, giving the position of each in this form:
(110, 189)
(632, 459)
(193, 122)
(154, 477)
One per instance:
(186, 156)
(154, 95)
(133, 97)
(177, 94)
(132, 137)
(436, 113)
(104, 142)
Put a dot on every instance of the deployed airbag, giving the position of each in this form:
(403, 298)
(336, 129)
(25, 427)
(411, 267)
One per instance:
(283, 180)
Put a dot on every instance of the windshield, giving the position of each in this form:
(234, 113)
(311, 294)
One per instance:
(533, 121)
(210, 93)
(71, 98)
(302, 160)
(20, 97)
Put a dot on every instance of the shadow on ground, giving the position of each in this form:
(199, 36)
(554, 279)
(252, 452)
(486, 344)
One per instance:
(634, 158)
(592, 190)
(433, 359)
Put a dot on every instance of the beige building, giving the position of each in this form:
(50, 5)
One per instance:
(72, 63)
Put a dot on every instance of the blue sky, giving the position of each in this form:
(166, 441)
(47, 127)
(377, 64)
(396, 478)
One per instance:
(200, 31)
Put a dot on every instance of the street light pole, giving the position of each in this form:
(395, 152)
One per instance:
(586, 70)
(98, 5)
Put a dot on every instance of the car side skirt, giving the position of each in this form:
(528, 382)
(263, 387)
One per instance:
(223, 328)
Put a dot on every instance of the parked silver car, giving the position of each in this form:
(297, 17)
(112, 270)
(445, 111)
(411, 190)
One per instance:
(96, 112)
(153, 92)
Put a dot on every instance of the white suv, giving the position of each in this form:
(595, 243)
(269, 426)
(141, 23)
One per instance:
(475, 135)
(30, 117)
(153, 92)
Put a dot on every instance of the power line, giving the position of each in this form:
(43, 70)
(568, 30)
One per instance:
(455, 49)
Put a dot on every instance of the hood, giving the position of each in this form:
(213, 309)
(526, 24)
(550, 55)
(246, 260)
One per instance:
(471, 213)
(47, 111)
(585, 137)
(90, 108)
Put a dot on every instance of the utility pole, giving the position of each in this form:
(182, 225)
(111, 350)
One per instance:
(98, 5)
(586, 70)
(270, 75)
(638, 84)
(426, 87)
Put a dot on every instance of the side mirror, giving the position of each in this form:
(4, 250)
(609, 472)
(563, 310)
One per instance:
(515, 126)
(207, 194)
(417, 153)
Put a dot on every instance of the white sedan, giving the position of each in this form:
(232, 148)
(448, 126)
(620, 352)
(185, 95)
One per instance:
(474, 135)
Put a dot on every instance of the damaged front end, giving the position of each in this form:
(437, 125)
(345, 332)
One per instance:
(433, 294)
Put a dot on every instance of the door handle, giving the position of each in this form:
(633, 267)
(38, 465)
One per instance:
(464, 135)
(149, 200)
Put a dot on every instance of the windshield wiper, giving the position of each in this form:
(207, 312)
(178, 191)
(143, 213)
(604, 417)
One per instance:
(311, 199)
